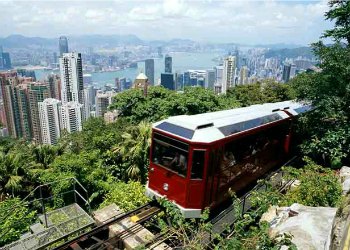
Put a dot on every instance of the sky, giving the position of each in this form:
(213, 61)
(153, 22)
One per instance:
(223, 21)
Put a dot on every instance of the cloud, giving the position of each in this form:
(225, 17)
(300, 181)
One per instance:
(239, 21)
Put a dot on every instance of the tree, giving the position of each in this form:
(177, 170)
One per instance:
(339, 12)
(161, 103)
(329, 91)
(261, 92)
(134, 150)
(15, 219)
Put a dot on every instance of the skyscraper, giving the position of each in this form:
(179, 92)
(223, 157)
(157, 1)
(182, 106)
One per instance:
(54, 85)
(71, 78)
(160, 54)
(168, 61)
(37, 92)
(243, 76)
(228, 78)
(286, 72)
(87, 102)
(5, 61)
(179, 78)
(24, 112)
(167, 81)
(210, 79)
(8, 81)
(149, 70)
(293, 70)
(49, 114)
(63, 45)
(71, 116)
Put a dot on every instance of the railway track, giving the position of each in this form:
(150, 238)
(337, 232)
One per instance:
(98, 237)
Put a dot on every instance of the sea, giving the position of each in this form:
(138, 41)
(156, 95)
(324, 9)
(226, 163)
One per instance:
(182, 61)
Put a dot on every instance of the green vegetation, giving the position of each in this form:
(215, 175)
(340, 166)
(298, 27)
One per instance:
(261, 92)
(328, 90)
(15, 219)
(319, 186)
(111, 160)
(127, 196)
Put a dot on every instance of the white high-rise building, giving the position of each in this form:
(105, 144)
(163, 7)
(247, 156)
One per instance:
(71, 119)
(71, 78)
(49, 115)
(228, 78)
(87, 102)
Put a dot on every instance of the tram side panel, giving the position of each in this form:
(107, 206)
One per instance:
(239, 161)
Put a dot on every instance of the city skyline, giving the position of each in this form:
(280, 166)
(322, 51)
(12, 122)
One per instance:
(247, 22)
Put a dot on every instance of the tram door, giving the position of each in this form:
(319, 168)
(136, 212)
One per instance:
(197, 183)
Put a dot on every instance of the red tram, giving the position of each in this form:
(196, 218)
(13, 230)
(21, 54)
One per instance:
(196, 159)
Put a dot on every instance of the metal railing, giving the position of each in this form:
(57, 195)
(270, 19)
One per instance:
(41, 198)
(230, 215)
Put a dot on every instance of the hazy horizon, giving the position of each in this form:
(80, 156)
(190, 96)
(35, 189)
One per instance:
(244, 22)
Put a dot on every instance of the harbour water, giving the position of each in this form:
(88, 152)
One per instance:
(182, 61)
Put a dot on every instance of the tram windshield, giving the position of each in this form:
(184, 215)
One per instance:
(169, 153)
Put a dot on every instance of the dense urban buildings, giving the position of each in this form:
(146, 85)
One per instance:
(70, 96)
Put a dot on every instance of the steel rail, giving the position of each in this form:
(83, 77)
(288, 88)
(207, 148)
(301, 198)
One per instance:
(102, 227)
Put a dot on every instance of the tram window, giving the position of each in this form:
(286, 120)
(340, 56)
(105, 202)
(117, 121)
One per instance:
(197, 164)
(170, 156)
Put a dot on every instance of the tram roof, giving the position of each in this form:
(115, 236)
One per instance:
(213, 126)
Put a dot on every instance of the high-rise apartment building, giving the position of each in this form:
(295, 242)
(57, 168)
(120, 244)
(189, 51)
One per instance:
(10, 107)
(219, 72)
(87, 102)
(149, 70)
(37, 92)
(103, 100)
(71, 78)
(243, 75)
(228, 79)
(293, 71)
(54, 84)
(49, 114)
(168, 61)
(21, 102)
(71, 116)
(63, 45)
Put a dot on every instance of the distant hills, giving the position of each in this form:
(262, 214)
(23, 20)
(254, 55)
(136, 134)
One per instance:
(109, 41)
(290, 53)
(19, 41)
